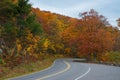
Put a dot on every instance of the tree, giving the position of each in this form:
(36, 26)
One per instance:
(94, 38)
(89, 37)
(23, 10)
(20, 31)
(6, 11)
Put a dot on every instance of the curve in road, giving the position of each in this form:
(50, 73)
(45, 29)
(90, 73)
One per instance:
(57, 73)
(68, 69)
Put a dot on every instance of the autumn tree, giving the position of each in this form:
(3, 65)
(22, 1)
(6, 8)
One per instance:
(20, 32)
(52, 27)
(89, 37)
(27, 33)
(97, 37)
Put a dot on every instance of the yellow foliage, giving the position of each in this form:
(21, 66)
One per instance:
(53, 48)
(29, 37)
(36, 39)
(60, 46)
(46, 43)
(28, 44)
(67, 50)
(19, 47)
(105, 56)
(28, 49)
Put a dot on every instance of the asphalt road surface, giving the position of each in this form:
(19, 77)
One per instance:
(68, 69)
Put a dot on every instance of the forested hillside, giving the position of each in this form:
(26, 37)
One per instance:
(29, 34)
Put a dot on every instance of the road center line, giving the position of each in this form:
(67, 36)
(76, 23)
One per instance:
(54, 74)
(89, 69)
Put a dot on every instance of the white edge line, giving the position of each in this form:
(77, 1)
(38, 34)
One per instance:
(33, 72)
(84, 74)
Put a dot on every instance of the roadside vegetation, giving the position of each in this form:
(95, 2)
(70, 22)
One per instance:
(28, 68)
(112, 58)
(31, 38)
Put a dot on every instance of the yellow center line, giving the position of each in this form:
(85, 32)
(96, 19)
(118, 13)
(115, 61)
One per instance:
(54, 74)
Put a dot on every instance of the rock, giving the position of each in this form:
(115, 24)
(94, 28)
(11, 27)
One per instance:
(1, 51)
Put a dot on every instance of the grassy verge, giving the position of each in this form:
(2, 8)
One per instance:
(6, 72)
(111, 58)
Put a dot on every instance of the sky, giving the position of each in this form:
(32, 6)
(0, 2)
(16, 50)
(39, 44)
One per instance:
(108, 8)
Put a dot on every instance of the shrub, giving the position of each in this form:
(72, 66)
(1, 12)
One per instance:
(114, 56)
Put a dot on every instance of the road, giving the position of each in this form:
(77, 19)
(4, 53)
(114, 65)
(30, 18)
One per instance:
(68, 69)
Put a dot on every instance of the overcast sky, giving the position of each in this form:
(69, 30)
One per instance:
(108, 8)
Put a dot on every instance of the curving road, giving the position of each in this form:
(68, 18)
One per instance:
(68, 69)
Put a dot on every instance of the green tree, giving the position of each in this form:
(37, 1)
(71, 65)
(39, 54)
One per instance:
(23, 10)
(26, 19)
(6, 11)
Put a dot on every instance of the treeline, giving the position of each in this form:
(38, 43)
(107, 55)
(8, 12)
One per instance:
(29, 34)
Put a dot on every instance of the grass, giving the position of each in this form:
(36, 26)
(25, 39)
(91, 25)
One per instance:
(114, 57)
(23, 69)
(110, 58)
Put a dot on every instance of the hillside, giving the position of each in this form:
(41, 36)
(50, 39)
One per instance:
(29, 35)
